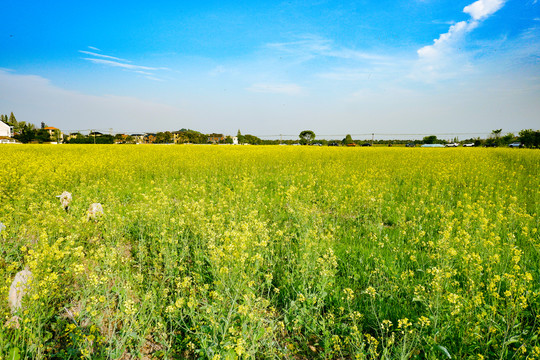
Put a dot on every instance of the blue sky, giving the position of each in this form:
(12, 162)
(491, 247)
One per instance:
(335, 67)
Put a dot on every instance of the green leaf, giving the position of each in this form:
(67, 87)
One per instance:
(14, 354)
(444, 350)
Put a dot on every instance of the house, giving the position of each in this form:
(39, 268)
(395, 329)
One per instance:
(215, 138)
(139, 138)
(5, 130)
(55, 133)
(149, 138)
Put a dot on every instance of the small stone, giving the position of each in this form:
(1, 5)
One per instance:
(19, 288)
(94, 211)
(65, 199)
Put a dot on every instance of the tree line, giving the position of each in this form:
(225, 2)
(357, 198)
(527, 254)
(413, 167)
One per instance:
(29, 133)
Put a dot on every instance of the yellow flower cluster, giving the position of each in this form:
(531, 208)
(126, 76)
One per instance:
(270, 252)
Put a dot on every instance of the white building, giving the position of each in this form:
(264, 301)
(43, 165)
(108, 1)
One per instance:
(5, 130)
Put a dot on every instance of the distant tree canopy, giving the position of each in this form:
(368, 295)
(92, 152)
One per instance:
(431, 139)
(306, 137)
(252, 139)
(164, 137)
(27, 132)
(94, 138)
(241, 138)
(348, 140)
(191, 136)
(530, 138)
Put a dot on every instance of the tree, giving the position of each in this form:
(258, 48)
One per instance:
(241, 138)
(507, 139)
(432, 139)
(306, 137)
(26, 134)
(496, 133)
(252, 139)
(12, 121)
(530, 138)
(164, 137)
(348, 140)
(42, 136)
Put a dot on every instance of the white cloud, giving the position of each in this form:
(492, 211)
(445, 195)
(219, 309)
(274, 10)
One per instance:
(102, 56)
(310, 46)
(446, 41)
(120, 64)
(286, 89)
(147, 71)
(441, 60)
(481, 9)
(344, 74)
(94, 48)
(34, 99)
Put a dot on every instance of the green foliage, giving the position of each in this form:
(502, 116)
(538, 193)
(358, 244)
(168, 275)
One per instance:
(91, 139)
(241, 138)
(42, 135)
(12, 121)
(252, 139)
(26, 133)
(530, 138)
(164, 137)
(191, 136)
(431, 139)
(348, 140)
(306, 137)
(271, 252)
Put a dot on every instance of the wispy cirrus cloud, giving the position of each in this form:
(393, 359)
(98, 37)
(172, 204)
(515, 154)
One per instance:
(308, 47)
(121, 64)
(102, 56)
(346, 74)
(148, 72)
(285, 89)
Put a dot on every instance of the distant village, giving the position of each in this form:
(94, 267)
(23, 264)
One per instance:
(13, 131)
(21, 132)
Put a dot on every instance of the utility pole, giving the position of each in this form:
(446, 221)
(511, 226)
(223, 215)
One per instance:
(372, 138)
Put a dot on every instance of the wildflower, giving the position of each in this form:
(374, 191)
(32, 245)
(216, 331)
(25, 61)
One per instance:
(65, 199)
(349, 293)
(371, 291)
(424, 321)
(386, 325)
(129, 307)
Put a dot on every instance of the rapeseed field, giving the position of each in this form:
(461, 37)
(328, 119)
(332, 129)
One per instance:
(278, 252)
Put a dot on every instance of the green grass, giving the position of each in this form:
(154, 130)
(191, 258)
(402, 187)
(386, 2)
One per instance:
(272, 252)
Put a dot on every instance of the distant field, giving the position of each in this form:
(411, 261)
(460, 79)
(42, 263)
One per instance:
(225, 252)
